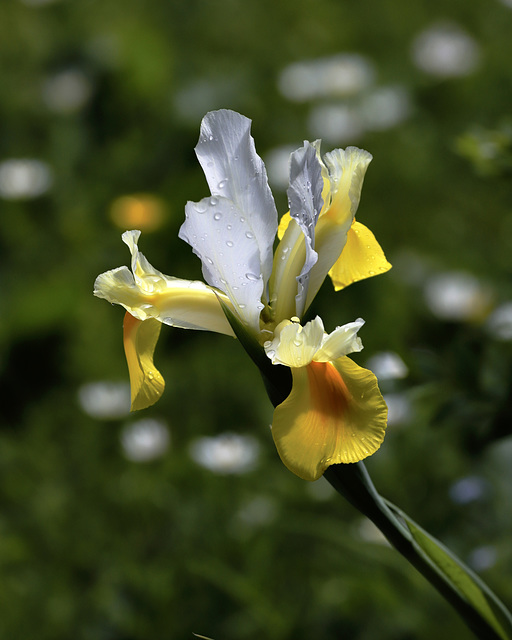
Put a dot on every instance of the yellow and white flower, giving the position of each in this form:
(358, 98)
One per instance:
(335, 412)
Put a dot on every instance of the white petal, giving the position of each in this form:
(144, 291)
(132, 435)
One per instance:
(305, 200)
(294, 345)
(235, 171)
(342, 341)
(222, 237)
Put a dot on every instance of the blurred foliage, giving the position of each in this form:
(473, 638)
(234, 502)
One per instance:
(95, 545)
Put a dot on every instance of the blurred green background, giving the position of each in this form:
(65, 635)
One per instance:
(181, 519)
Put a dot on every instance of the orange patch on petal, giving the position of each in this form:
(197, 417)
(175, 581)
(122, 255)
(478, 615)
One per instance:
(334, 414)
(329, 394)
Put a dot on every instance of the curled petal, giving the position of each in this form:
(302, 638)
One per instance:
(146, 382)
(362, 258)
(340, 342)
(305, 200)
(295, 255)
(148, 293)
(334, 414)
(347, 169)
(294, 345)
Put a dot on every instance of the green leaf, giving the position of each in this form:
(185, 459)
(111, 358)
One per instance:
(463, 579)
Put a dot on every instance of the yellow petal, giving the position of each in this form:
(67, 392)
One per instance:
(146, 382)
(347, 169)
(334, 414)
(283, 225)
(179, 303)
(362, 257)
(146, 293)
(294, 345)
(289, 259)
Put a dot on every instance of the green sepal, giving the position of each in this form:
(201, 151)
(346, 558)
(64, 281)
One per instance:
(276, 377)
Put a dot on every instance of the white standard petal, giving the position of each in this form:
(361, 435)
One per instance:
(221, 236)
(295, 345)
(235, 171)
(305, 201)
(342, 341)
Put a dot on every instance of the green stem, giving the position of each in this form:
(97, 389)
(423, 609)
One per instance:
(353, 483)
(480, 609)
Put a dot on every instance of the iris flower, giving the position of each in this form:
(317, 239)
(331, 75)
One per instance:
(335, 412)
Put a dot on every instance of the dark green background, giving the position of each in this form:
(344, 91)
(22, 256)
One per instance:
(94, 546)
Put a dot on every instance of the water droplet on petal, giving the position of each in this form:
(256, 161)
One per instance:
(210, 138)
(222, 184)
(229, 227)
(217, 216)
(214, 201)
(209, 260)
(252, 276)
(229, 243)
(151, 375)
(242, 219)
(200, 207)
(249, 235)
(241, 306)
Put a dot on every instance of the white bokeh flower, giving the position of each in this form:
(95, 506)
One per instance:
(145, 440)
(446, 51)
(227, 453)
(105, 400)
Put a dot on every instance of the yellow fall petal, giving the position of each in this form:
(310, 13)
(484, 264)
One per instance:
(362, 257)
(334, 414)
(146, 382)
